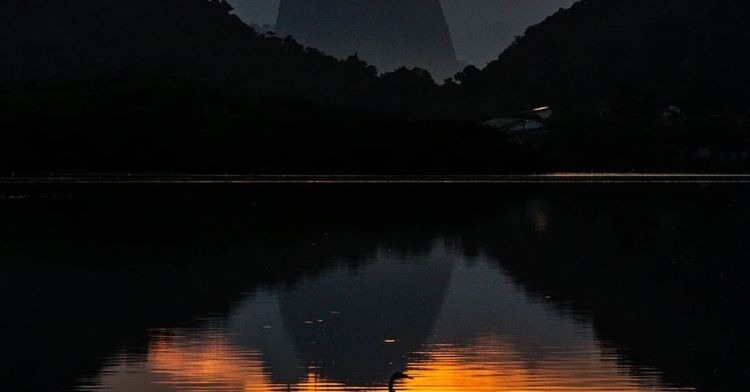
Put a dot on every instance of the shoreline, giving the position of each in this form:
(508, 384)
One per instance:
(218, 179)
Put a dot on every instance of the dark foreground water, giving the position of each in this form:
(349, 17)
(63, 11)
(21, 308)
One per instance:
(601, 287)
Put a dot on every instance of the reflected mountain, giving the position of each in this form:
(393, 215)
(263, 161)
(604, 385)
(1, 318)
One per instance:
(662, 272)
(386, 310)
(647, 280)
(385, 307)
(90, 275)
(257, 324)
(489, 336)
(483, 301)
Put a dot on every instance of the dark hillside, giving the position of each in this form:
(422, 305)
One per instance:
(56, 42)
(621, 54)
(183, 85)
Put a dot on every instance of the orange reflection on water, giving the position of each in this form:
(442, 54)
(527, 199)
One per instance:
(492, 365)
(213, 364)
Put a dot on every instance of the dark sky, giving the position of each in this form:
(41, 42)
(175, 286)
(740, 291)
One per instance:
(481, 29)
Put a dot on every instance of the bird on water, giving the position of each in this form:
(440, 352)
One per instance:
(397, 376)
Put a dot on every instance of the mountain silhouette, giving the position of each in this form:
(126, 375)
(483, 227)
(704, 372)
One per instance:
(387, 33)
(626, 52)
(196, 40)
(186, 86)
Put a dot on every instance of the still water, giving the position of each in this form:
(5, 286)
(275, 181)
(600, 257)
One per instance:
(510, 288)
(453, 324)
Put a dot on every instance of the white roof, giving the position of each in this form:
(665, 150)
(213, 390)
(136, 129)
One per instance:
(545, 112)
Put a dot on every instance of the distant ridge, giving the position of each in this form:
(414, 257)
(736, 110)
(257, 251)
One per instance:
(386, 33)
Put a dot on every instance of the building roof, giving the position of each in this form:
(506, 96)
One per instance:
(503, 122)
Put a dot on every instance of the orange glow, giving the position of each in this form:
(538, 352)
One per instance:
(215, 363)
(487, 365)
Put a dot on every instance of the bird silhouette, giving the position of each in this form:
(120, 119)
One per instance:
(397, 376)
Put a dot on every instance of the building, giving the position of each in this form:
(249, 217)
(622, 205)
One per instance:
(528, 123)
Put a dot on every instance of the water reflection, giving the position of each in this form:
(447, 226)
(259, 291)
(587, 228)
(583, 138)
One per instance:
(523, 288)
(454, 323)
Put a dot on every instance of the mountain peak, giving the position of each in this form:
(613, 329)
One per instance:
(387, 33)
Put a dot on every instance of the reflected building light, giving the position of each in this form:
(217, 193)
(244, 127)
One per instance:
(540, 220)
(538, 215)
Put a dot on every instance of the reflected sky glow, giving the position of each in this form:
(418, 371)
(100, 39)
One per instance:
(485, 334)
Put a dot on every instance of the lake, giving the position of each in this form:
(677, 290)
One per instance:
(465, 287)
